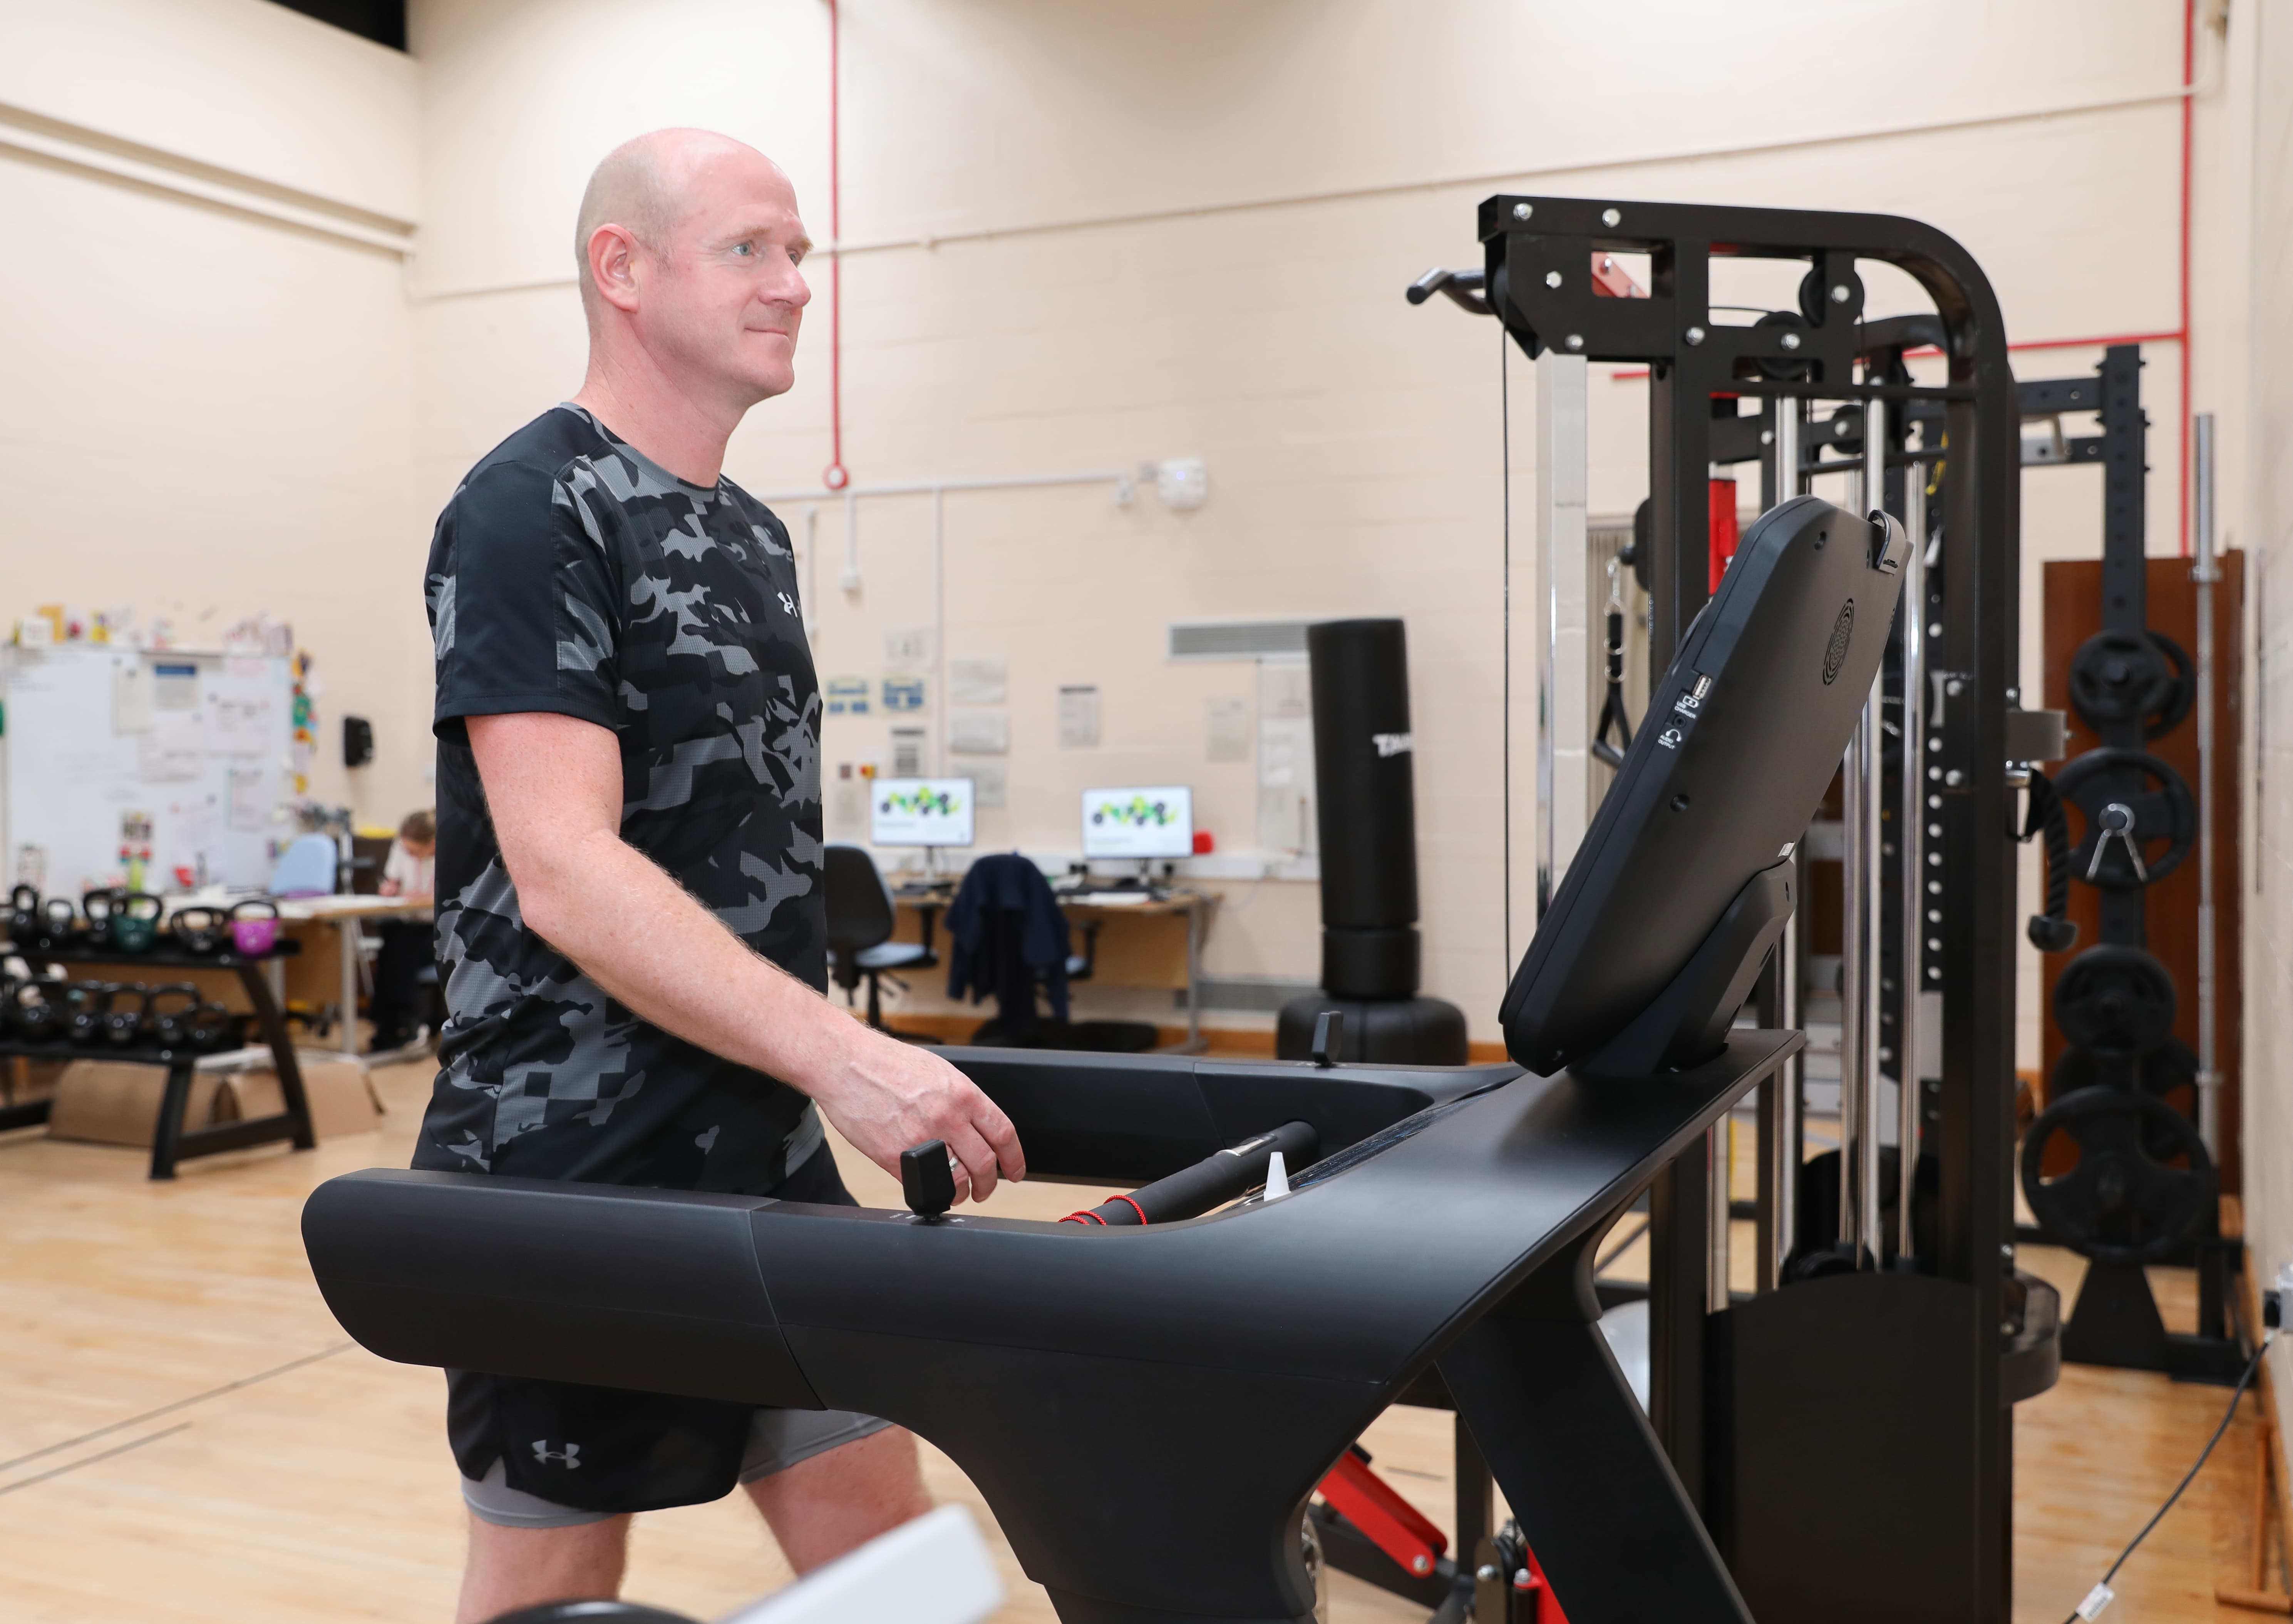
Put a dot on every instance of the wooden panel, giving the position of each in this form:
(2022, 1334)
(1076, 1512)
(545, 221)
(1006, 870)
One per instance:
(2073, 613)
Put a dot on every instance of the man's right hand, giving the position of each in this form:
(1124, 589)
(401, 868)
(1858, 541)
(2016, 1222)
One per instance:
(887, 1097)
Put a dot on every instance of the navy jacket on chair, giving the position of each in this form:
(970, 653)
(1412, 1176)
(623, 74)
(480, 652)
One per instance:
(1006, 937)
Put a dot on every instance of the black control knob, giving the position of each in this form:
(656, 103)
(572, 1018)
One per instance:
(927, 1178)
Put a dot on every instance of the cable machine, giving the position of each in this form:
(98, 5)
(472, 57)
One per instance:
(1847, 1431)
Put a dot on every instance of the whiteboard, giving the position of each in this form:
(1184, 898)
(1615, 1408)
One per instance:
(198, 743)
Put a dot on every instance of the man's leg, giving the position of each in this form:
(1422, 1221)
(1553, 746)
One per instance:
(835, 1501)
(511, 1568)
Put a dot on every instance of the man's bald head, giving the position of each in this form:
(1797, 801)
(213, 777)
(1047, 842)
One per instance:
(645, 186)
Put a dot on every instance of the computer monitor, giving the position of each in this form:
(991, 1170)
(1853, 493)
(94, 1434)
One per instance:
(1741, 739)
(921, 812)
(1139, 824)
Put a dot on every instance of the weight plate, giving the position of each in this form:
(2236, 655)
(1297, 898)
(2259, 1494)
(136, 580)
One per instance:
(2121, 1202)
(2115, 1000)
(2185, 688)
(2120, 676)
(2131, 802)
(2166, 1069)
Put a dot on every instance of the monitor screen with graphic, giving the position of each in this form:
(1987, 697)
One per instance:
(1139, 823)
(921, 812)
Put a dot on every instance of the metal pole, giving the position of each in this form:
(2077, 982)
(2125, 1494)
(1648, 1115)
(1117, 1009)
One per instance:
(1910, 844)
(2206, 572)
(1564, 708)
(1718, 1165)
(1871, 876)
(1789, 1143)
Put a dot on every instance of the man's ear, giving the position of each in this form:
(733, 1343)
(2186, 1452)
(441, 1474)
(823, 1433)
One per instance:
(614, 256)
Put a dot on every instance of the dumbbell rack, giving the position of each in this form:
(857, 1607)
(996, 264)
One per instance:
(171, 1141)
(2123, 1201)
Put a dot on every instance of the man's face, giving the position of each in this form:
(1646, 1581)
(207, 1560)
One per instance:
(723, 297)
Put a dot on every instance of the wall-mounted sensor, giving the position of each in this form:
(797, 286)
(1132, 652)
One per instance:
(1183, 482)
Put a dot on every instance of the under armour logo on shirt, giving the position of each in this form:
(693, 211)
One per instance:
(569, 1456)
(787, 604)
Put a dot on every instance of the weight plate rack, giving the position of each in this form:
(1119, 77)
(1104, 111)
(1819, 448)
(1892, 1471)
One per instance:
(2111, 1168)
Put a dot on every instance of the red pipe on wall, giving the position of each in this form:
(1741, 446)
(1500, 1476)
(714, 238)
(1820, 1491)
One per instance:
(2189, 120)
(835, 476)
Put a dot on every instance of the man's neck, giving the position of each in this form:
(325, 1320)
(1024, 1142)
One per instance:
(684, 435)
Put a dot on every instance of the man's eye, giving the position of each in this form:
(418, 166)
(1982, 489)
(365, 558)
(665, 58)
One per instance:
(742, 247)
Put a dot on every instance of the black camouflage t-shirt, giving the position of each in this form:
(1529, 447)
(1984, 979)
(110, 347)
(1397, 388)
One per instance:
(569, 574)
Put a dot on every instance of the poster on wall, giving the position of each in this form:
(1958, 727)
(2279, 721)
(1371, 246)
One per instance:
(1079, 718)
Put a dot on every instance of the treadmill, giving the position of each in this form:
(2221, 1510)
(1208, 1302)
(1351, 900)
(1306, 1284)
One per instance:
(1147, 1405)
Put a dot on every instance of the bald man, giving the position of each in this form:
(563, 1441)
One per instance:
(630, 924)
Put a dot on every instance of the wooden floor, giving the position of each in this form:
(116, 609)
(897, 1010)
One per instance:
(185, 1436)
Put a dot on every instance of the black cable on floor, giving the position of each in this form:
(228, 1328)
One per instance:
(2102, 1596)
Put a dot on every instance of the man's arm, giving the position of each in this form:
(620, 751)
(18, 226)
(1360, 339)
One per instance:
(553, 785)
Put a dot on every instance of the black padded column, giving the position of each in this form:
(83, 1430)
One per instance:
(1366, 808)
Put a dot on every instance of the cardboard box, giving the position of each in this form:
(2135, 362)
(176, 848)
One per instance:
(106, 1102)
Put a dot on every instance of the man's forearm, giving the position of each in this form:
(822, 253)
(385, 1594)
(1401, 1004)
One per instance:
(648, 942)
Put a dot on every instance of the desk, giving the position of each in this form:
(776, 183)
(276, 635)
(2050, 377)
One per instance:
(346, 914)
(1156, 942)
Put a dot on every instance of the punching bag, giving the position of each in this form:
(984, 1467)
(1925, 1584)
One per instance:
(1365, 767)
(1364, 782)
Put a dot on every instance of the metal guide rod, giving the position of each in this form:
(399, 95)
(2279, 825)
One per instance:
(2206, 572)
(1911, 848)
(1870, 877)
(1854, 899)
(1564, 580)
(1718, 1165)
(1788, 1148)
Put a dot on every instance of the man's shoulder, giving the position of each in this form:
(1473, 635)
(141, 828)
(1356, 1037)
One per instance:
(530, 462)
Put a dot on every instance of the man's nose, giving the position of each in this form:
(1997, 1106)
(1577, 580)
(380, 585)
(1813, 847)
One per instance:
(793, 290)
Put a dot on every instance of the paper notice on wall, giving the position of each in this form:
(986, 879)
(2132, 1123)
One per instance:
(244, 710)
(1229, 732)
(975, 682)
(1286, 756)
(130, 694)
(249, 809)
(907, 752)
(167, 759)
(989, 782)
(979, 732)
(913, 648)
(1078, 718)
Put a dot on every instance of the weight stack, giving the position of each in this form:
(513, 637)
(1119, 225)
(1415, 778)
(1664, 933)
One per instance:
(1367, 819)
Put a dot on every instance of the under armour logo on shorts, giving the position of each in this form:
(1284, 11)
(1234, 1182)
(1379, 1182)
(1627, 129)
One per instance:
(569, 1456)
(787, 604)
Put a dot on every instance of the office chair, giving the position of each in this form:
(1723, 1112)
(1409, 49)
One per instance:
(860, 921)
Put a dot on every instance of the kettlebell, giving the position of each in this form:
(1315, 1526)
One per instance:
(122, 1014)
(200, 930)
(86, 1004)
(57, 919)
(135, 921)
(24, 916)
(170, 1022)
(255, 925)
(212, 1027)
(33, 1013)
(96, 908)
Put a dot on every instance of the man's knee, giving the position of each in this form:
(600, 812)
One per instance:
(513, 1566)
